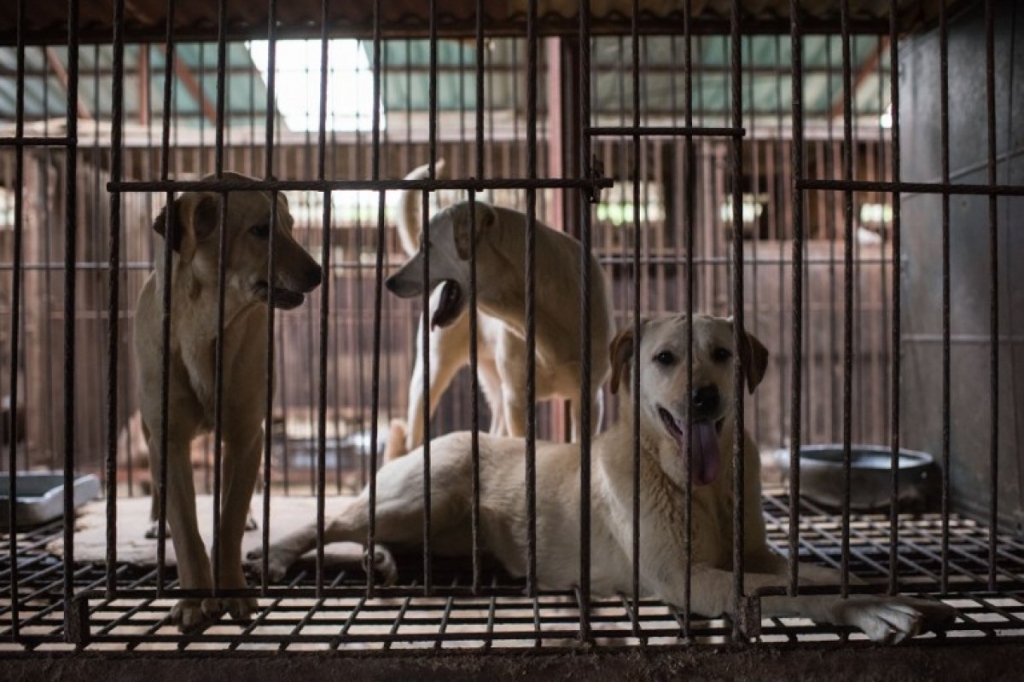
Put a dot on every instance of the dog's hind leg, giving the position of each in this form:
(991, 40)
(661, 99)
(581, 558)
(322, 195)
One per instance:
(399, 515)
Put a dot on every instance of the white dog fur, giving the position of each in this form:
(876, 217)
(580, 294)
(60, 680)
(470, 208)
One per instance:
(194, 236)
(501, 345)
(665, 404)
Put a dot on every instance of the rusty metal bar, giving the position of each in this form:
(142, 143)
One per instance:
(736, 170)
(378, 292)
(531, 293)
(993, 237)
(473, 320)
(430, 184)
(635, 374)
(690, 200)
(847, 292)
(895, 347)
(222, 260)
(70, 289)
(325, 291)
(991, 189)
(268, 172)
(113, 295)
(585, 317)
(165, 334)
(19, 174)
(946, 354)
(796, 368)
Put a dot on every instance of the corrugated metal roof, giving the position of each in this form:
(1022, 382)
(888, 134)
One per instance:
(405, 81)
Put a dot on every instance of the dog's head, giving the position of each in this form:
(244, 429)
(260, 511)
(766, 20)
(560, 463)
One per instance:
(452, 232)
(667, 402)
(190, 228)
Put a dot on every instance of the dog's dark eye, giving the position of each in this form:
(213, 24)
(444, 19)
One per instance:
(261, 231)
(721, 354)
(665, 358)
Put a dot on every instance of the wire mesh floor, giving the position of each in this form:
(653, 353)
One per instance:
(291, 617)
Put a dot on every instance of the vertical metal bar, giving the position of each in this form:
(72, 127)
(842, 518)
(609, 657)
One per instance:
(377, 300)
(222, 260)
(268, 171)
(738, 327)
(113, 292)
(993, 236)
(70, 249)
(635, 393)
(690, 199)
(473, 321)
(531, 324)
(585, 314)
(796, 384)
(946, 363)
(894, 383)
(19, 179)
(325, 290)
(165, 323)
(425, 216)
(847, 290)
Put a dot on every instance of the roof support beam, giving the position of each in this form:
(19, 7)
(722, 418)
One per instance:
(57, 66)
(869, 66)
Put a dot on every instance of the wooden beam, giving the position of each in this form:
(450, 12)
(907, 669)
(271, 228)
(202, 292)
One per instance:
(62, 75)
(866, 69)
(191, 83)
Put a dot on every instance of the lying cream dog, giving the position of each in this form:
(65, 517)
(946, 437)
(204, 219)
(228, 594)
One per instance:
(666, 403)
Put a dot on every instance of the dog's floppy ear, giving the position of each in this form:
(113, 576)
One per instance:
(621, 352)
(755, 360)
(486, 218)
(195, 219)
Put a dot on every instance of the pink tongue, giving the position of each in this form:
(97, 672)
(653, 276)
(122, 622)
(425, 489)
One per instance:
(705, 453)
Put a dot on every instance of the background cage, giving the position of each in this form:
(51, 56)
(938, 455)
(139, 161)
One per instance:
(951, 184)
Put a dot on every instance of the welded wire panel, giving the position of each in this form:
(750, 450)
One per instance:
(291, 616)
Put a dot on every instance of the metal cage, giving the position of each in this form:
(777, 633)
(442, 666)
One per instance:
(842, 181)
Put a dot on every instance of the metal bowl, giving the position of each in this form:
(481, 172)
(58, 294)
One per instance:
(41, 497)
(821, 477)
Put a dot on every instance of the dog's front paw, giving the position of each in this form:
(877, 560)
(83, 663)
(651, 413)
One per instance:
(240, 609)
(194, 615)
(890, 620)
(278, 563)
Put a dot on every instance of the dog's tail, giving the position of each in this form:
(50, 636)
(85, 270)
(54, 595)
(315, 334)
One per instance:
(409, 209)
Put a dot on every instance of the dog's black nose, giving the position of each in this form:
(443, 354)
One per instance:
(705, 401)
(391, 284)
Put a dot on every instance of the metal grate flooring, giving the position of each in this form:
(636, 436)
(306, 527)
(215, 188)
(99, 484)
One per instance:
(293, 617)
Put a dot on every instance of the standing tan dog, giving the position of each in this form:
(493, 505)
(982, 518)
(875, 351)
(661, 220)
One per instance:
(194, 236)
(501, 325)
(666, 404)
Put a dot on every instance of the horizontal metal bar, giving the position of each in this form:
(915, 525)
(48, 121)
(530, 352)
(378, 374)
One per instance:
(234, 185)
(663, 131)
(911, 187)
(37, 142)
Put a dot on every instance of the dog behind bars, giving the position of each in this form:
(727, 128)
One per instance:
(667, 405)
(500, 236)
(191, 230)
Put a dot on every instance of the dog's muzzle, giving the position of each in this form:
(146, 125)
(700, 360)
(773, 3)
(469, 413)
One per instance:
(450, 305)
